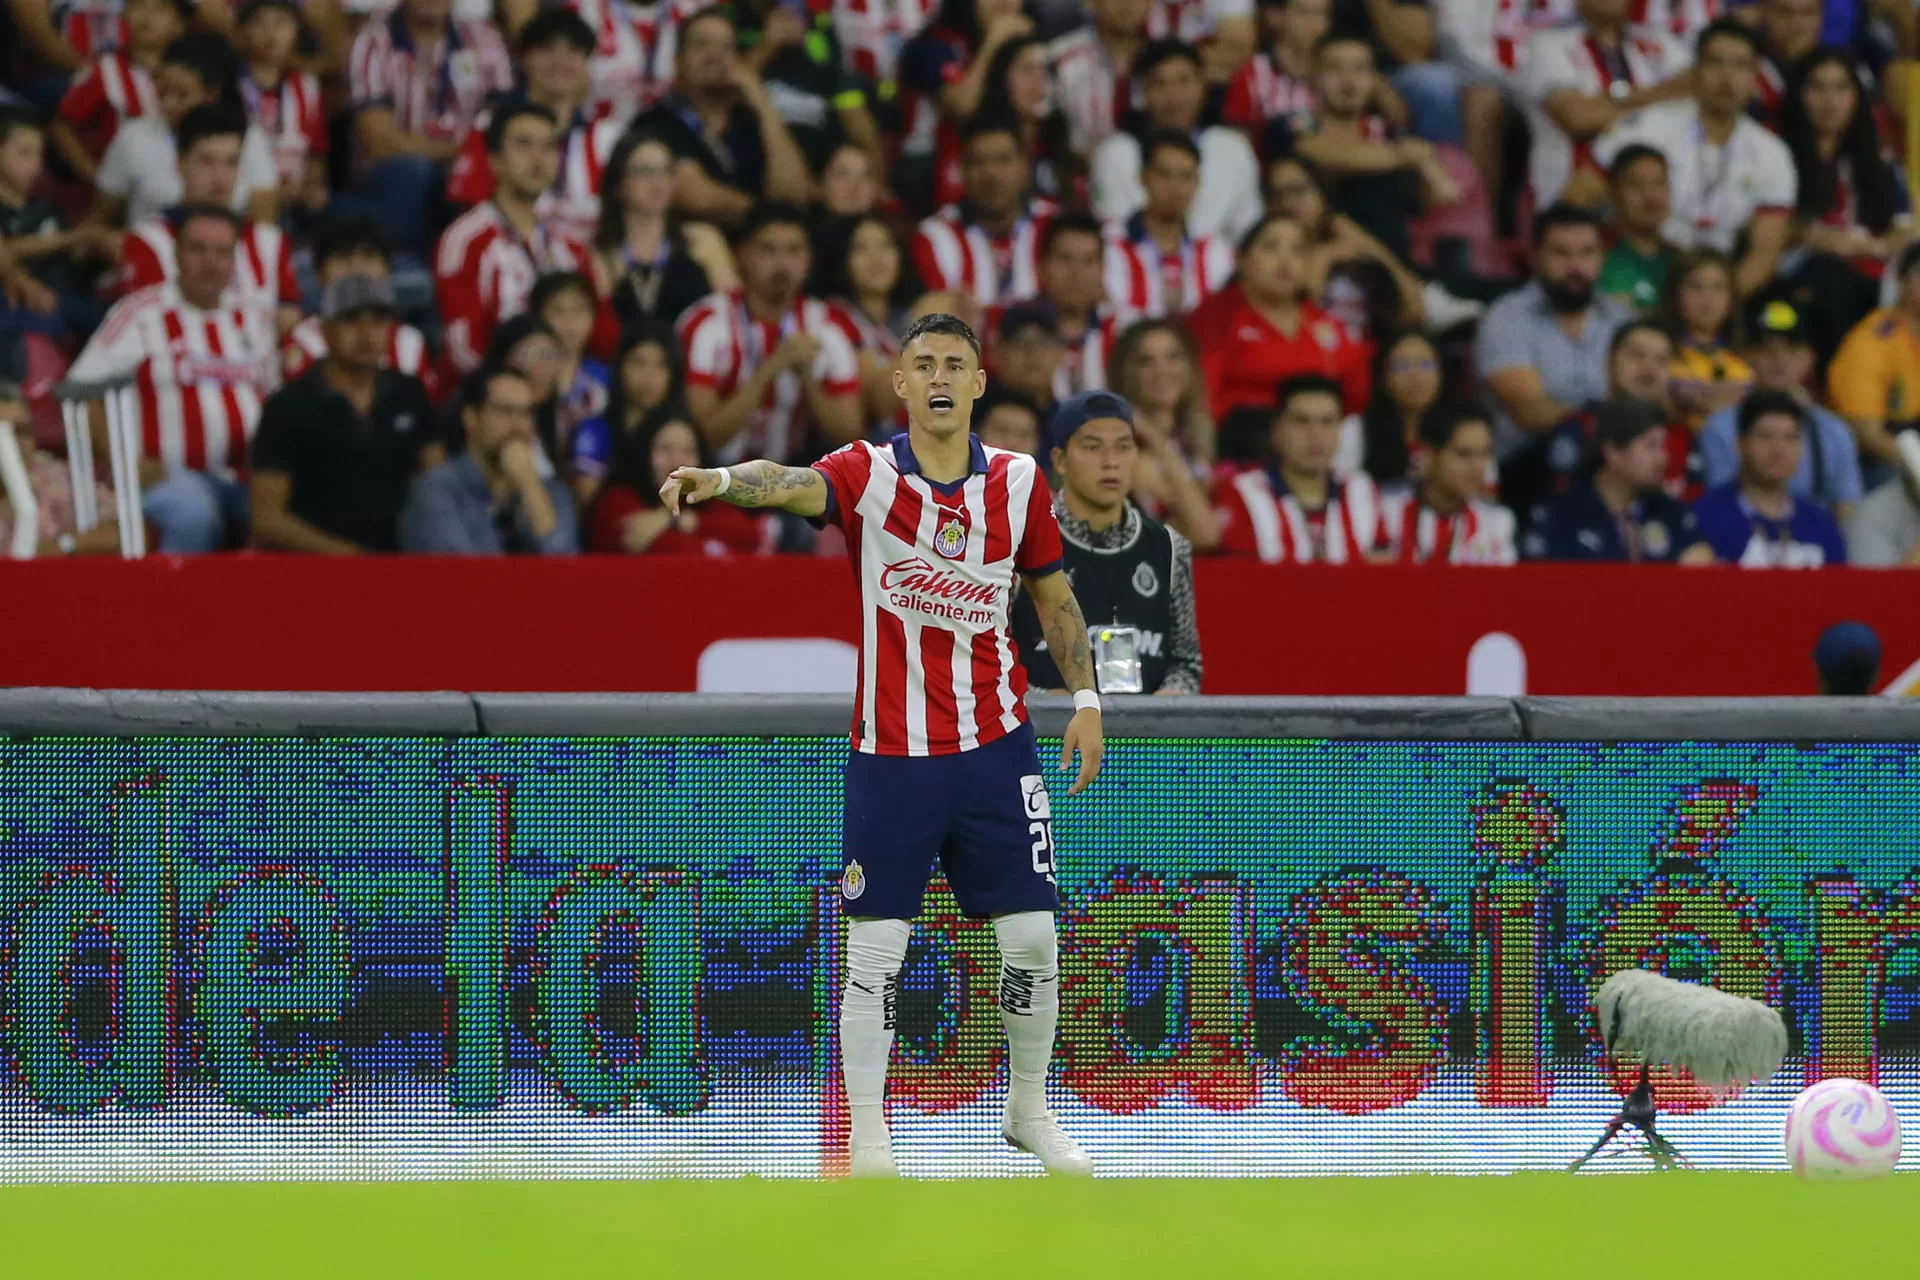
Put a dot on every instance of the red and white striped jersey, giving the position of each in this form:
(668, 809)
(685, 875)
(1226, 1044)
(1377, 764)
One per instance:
(293, 117)
(111, 91)
(1194, 21)
(92, 27)
(1261, 91)
(954, 253)
(1493, 34)
(872, 33)
(1084, 367)
(1089, 90)
(1683, 19)
(407, 352)
(1569, 58)
(201, 376)
(262, 263)
(438, 95)
(722, 343)
(1480, 533)
(1143, 280)
(573, 202)
(936, 566)
(632, 66)
(484, 272)
(1259, 517)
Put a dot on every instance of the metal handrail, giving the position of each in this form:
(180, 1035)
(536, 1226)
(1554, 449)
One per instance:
(25, 543)
(123, 447)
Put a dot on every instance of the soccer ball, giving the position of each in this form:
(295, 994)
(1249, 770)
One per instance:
(1842, 1129)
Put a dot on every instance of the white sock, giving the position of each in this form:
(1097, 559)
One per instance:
(1029, 1005)
(868, 999)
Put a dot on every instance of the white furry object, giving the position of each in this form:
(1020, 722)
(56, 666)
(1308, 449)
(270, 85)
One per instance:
(1723, 1040)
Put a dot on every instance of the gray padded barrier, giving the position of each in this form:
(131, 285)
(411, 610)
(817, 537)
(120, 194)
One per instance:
(1720, 719)
(128, 713)
(643, 714)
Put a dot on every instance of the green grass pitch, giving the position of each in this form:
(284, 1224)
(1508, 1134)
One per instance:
(1539, 1226)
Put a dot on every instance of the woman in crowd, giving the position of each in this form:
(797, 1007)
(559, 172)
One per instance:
(943, 71)
(647, 379)
(1852, 215)
(1016, 83)
(651, 266)
(1700, 312)
(848, 186)
(1386, 441)
(1265, 328)
(528, 345)
(1356, 278)
(1153, 367)
(565, 300)
(628, 515)
(862, 265)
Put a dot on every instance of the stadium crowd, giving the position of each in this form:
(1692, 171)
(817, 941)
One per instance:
(1460, 281)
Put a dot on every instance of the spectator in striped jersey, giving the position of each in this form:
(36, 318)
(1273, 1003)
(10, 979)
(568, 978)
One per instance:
(1028, 353)
(116, 86)
(1447, 518)
(1278, 81)
(1073, 283)
(1173, 87)
(284, 99)
(1291, 509)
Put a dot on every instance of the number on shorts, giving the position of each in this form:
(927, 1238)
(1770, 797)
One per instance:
(1042, 833)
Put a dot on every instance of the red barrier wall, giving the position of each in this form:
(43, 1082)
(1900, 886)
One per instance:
(269, 622)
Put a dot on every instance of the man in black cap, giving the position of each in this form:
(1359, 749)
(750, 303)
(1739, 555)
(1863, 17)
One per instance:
(1620, 512)
(1132, 575)
(1782, 356)
(338, 446)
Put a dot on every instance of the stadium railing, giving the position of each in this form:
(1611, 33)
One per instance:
(121, 411)
(18, 487)
(151, 713)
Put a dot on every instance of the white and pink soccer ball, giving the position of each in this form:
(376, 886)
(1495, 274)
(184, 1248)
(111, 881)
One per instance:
(1842, 1129)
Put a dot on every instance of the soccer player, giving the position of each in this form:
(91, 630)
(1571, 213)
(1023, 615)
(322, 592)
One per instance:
(943, 761)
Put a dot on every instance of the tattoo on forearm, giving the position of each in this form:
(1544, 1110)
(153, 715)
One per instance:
(1066, 631)
(766, 484)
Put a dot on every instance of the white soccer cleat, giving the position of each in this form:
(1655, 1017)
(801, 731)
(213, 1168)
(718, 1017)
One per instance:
(873, 1159)
(1041, 1136)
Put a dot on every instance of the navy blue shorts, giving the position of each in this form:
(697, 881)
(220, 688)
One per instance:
(983, 814)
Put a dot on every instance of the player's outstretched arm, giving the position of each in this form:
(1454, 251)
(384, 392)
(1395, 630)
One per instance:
(759, 483)
(1066, 631)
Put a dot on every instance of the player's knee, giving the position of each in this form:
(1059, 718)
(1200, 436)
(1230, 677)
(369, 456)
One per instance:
(1027, 940)
(877, 946)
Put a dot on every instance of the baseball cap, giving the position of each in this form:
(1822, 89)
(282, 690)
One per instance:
(1778, 318)
(350, 295)
(1077, 411)
(1038, 314)
(1621, 421)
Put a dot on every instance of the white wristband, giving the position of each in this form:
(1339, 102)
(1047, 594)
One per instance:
(726, 481)
(1086, 700)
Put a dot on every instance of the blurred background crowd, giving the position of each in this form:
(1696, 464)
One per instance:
(1451, 281)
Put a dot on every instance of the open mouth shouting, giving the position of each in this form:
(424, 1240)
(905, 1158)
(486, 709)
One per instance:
(940, 404)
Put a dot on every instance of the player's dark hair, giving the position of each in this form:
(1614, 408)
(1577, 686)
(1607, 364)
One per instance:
(550, 26)
(553, 284)
(1438, 430)
(1640, 324)
(1160, 139)
(1074, 222)
(211, 60)
(504, 116)
(1631, 154)
(214, 120)
(771, 213)
(180, 217)
(20, 117)
(941, 323)
(345, 234)
(1156, 52)
(1337, 37)
(1559, 215)
(1725, 29)
(1765, 403)
(1305, 384)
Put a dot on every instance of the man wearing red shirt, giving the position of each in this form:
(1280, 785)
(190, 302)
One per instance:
(1261, 330)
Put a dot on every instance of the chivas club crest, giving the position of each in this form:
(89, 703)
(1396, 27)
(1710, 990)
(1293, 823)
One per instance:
(950, 535)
